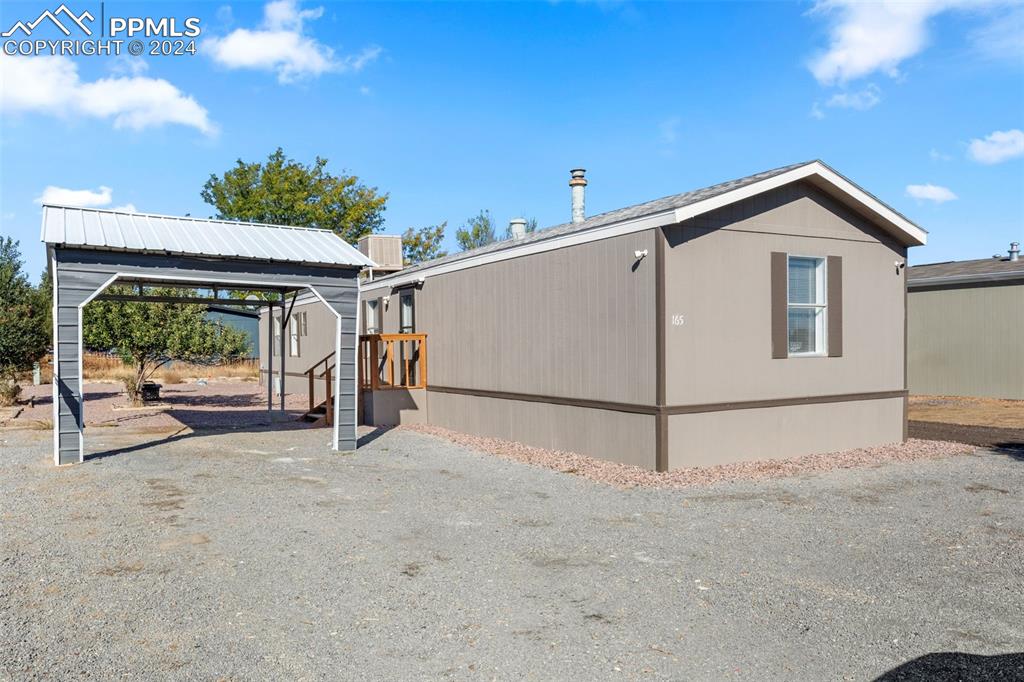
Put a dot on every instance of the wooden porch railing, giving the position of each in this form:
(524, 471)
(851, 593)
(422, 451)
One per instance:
(378, 355)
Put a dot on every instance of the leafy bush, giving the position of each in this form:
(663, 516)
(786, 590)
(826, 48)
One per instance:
(9, 391)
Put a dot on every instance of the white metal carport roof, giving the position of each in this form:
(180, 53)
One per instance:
(147, 233)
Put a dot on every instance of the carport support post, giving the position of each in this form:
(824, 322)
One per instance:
(284, 334)
(270, 357)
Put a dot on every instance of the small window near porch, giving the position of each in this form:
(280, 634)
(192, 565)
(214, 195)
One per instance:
(276, 345)
(294, 329)
(807, 306)
(407, 314)
(373, 316)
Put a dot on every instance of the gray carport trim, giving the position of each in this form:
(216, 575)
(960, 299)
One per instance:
(104, 268)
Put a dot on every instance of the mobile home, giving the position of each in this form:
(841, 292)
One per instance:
(762, 317)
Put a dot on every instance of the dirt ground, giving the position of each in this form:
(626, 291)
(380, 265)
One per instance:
(1007, 414)
(984, 422)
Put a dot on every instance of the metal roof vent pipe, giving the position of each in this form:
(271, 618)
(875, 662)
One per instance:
(578, 183)
(1014, 251)
(517, 228)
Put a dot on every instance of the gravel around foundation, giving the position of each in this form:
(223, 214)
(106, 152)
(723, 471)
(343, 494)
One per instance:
(626, 476)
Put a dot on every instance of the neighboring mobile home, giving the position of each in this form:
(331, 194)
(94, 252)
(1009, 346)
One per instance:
(759, 318)
(967, 327)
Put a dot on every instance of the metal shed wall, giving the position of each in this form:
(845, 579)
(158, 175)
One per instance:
(81, 274)
(967, 340)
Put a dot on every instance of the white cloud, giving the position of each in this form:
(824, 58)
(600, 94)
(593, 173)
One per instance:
(85, 198)
(669, 130)
(51, 85)
(869, 37)
(936, 155)
(929, 192)
(668, 135)
(860, 100)
(1002, 38)
(281, 45)
(817, 112)
(75, 197)
(1000, 146)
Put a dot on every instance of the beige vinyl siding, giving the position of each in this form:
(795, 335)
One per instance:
(718, 278)
(712, 438)
(574, 323)
(317, 344)
(967, 341)
(605, 434)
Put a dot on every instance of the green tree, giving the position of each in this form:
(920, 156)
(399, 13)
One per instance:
(23, 338)
(478, 231)
(423, 244)
(282, 191)
(149, 335)
(44, 302)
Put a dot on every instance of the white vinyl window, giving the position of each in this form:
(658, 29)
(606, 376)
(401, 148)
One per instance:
(373, 316)
(276, 344)
(294, 329)
(806, 305)
(407, 315)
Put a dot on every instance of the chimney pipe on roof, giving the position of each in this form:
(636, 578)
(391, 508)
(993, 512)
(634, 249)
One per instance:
(1014, 251)
(517, 228)
(578, 184)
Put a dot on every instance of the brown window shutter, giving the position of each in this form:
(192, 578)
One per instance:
(834, 288)
(780, 313)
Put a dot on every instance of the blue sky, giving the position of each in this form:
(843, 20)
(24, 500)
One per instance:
(455, 107)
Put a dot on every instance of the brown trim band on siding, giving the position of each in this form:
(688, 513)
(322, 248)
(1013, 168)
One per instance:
(634, 408)
(263, 370)
(906, 360)
(784, 402)
(780, 304)
(660, 354)
(552, 400)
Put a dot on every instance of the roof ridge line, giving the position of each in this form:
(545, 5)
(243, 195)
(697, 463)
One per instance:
(187, 217)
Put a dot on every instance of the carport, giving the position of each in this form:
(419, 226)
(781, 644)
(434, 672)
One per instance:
(88, 250)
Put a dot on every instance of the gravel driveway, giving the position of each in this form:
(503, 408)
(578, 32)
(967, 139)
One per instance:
(263, 555)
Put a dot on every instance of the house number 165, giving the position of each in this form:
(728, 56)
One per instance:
(677, 320)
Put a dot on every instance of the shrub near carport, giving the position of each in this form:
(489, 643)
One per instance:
(23, 337)
(147, 336)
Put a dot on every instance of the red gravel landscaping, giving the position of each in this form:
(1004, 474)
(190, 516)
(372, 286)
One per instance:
(625, 476)
(220, 404)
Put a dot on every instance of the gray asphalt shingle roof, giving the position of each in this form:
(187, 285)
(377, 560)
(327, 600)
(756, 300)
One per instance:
(966, 268)
(668, 203)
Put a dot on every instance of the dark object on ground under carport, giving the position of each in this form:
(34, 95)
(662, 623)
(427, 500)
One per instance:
(150, 391)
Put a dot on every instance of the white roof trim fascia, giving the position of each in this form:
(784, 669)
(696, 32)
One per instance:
(899, 226)
(965, 279)
(572, 239)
